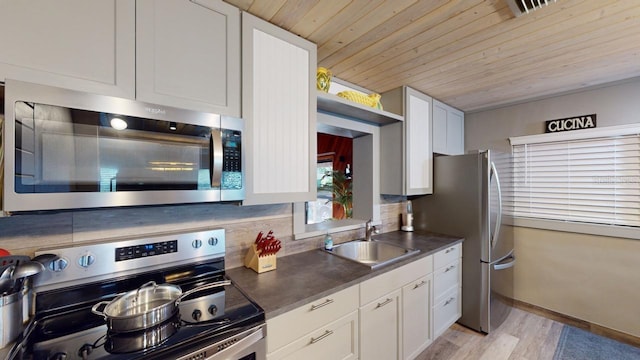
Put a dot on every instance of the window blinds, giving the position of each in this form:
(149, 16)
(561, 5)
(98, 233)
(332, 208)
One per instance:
(593, 180)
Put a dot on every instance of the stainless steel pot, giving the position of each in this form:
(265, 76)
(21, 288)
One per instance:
(149, 305)
(11, 324)
(144, 339)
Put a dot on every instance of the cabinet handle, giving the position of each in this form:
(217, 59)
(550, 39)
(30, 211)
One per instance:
(327, 302)
(326, 333)
(422, 283)
(449, 301)
(449, 268)
(449, 250)
(384, 303)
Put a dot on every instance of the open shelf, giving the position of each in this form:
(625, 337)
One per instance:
(337, 105)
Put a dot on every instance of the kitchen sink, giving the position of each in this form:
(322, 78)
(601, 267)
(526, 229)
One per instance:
(371, 253)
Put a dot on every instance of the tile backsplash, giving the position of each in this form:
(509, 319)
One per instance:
(26, 233)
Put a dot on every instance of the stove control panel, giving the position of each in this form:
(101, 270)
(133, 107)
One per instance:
(107, 260)
(146, 250)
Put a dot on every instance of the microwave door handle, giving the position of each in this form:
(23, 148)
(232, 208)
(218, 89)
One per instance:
(215, 147)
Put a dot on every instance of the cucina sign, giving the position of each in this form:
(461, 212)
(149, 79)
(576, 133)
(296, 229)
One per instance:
(572, 123)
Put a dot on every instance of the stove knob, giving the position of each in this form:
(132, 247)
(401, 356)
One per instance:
(213, 241)
(85, 350)
(197, 243)
(213, 310)
(196, 315)
(58, 265)
(86, 260)
(59, 356)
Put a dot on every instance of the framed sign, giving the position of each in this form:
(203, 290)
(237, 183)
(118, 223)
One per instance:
(572, 123)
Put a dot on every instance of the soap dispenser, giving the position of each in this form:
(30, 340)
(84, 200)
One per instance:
(328, 242)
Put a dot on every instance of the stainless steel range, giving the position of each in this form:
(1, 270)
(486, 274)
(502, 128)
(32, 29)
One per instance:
(212, 323)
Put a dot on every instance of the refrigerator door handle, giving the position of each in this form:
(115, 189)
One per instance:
(496, 231)
(502, 265)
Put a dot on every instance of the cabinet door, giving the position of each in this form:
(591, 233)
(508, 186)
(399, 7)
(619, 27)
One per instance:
(447, 311)
(279, 108)
(337, 340)
(188, 55)
(455, 132)
(380, 328)
(448, 129)
(416, 317)
(418, 143)
(439, 127)
(75, 44)
(445, 278)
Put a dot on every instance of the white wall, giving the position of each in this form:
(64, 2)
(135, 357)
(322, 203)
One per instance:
(613, 105)
(593, 278)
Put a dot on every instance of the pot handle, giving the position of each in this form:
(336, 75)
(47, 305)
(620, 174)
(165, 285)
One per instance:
(202, 288)
(94, 308)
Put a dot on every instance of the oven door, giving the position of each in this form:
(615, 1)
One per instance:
(248, 345)
(66, 149)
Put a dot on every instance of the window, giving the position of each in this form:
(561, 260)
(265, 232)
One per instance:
(365, 169)
(322, 209)
(590, 177)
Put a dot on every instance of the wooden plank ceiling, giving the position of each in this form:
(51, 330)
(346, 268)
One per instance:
(471, 54)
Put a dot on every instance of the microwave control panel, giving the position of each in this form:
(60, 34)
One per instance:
(232, 159)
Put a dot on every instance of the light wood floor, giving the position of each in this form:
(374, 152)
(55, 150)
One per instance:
(523, 336)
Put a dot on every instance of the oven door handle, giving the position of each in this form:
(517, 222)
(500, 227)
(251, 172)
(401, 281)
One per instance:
(215, 149)
(249, 342)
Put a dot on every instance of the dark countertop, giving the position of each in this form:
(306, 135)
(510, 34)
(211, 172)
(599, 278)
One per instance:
(311, 275)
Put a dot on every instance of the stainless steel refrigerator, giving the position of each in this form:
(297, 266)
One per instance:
(468, 200)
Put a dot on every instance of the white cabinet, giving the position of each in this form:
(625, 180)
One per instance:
(448, 129)
(279, 108)
(447, 288)
(395, 315)
(80, 45)
(380, 330)
(406, 166)
(416, 316)
(176, 53)
(188, 55)
(336, 340)
(395, 312)
(323, 329)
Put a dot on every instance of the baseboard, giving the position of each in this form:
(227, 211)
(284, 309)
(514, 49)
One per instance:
(581, 324)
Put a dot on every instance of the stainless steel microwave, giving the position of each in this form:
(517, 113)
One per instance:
(66, 149)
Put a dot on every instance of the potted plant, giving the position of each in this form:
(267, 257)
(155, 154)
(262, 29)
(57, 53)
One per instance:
(340, 187)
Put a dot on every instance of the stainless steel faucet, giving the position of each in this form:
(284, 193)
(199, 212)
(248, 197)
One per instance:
(369, 230)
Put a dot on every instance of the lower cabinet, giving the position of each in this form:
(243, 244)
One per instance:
(336, 340)
(447, 288)
(447, 311)
(323, 329)
(395, 315)
(395, 312)
(417, 332)
(380, 327)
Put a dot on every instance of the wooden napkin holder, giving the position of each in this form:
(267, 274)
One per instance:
(258, 263)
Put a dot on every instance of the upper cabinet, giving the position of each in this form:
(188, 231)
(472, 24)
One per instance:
(279, 108)
(183, 53)
(188, 55)
(406, 165)
(448, 129)
(81, 45)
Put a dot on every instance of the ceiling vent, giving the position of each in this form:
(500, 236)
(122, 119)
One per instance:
(521, 7)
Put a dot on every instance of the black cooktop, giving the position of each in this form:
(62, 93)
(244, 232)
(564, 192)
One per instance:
(66, 328)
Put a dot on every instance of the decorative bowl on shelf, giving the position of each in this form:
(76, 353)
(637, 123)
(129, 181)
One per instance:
(372, 100)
